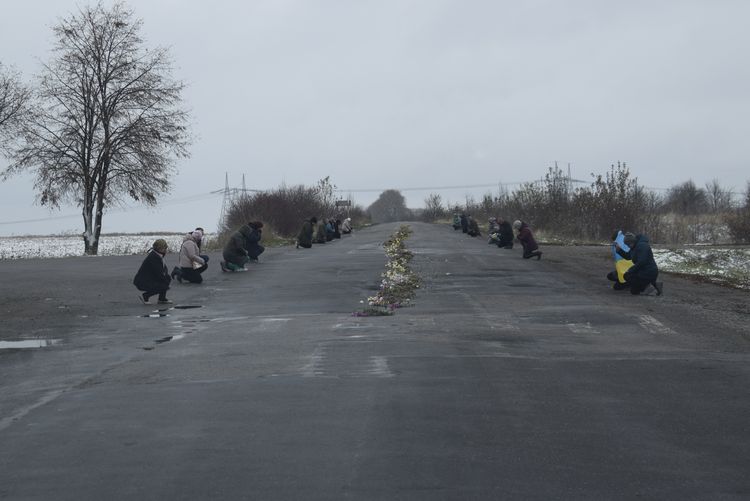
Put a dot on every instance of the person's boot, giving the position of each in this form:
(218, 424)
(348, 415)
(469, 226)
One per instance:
(223, 265)
(177, 274)
(659, 286)
(234, 267)
(538, 255)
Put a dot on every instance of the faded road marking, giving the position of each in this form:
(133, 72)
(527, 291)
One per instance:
(653, 326)
(315, 366)
(582, 328)
(379, 367)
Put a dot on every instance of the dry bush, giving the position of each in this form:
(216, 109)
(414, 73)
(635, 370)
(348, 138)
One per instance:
(283, 210)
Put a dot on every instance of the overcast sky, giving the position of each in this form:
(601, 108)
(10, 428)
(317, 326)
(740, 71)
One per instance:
(430, 93)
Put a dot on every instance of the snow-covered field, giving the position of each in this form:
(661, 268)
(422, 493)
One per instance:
(726, 265)
(67, 246)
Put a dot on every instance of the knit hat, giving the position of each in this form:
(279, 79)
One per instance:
(160, 246)
(517, 224)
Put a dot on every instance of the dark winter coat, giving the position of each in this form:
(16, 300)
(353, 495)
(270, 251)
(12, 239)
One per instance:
(473, 228)
(464, 224)
(320, 233)
(305, 234)
(644, 265)
(153, 274)
(252, 241)
(505, 235)
(235, 250)
(527, 239)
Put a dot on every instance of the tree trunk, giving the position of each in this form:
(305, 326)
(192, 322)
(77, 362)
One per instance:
(90, 239)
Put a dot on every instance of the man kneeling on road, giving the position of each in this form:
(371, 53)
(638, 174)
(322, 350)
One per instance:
(644, 271)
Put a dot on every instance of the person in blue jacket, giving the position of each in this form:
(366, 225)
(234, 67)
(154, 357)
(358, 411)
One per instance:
(644, 271)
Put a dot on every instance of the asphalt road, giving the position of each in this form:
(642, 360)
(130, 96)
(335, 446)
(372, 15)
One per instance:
(508, 379)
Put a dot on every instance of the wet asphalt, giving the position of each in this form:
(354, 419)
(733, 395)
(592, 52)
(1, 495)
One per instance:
(508, 379)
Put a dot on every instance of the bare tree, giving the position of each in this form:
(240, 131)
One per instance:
(13, 98)
(107, 123)
(433, 208)
(718, 199)
(327, 194)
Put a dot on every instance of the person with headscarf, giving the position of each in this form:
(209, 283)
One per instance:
(305, 236)
(346, 226)
(644, 271)
(191, 262)
(152, 277)
(526, 237)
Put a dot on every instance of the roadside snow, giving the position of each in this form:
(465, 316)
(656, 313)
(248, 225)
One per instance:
(729, 266)
(68, 246)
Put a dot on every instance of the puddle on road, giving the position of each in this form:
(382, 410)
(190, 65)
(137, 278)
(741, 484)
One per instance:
(27, 343)
(167, 339)
(179, 307)
(155, 315)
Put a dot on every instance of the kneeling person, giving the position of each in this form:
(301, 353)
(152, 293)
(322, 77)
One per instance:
(192, 263)
(153, 276)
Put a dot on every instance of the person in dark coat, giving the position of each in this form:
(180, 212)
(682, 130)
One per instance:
(505, 235)
(337, 228)
(473, 230)
(644, 271)
(252, 240)
(530, 247)
(305, 237)
(153, 276)
(464, 223)
(235, 251)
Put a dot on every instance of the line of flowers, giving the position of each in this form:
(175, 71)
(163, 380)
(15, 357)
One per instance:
(399, 283)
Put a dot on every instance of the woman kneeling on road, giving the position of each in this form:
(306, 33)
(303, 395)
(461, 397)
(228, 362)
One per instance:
(153, 276)
(192, 263)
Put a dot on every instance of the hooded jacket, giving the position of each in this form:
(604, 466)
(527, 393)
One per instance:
(644, 265)
(234, 250)
(252, 236)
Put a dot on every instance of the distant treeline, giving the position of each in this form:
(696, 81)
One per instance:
(686, 213)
